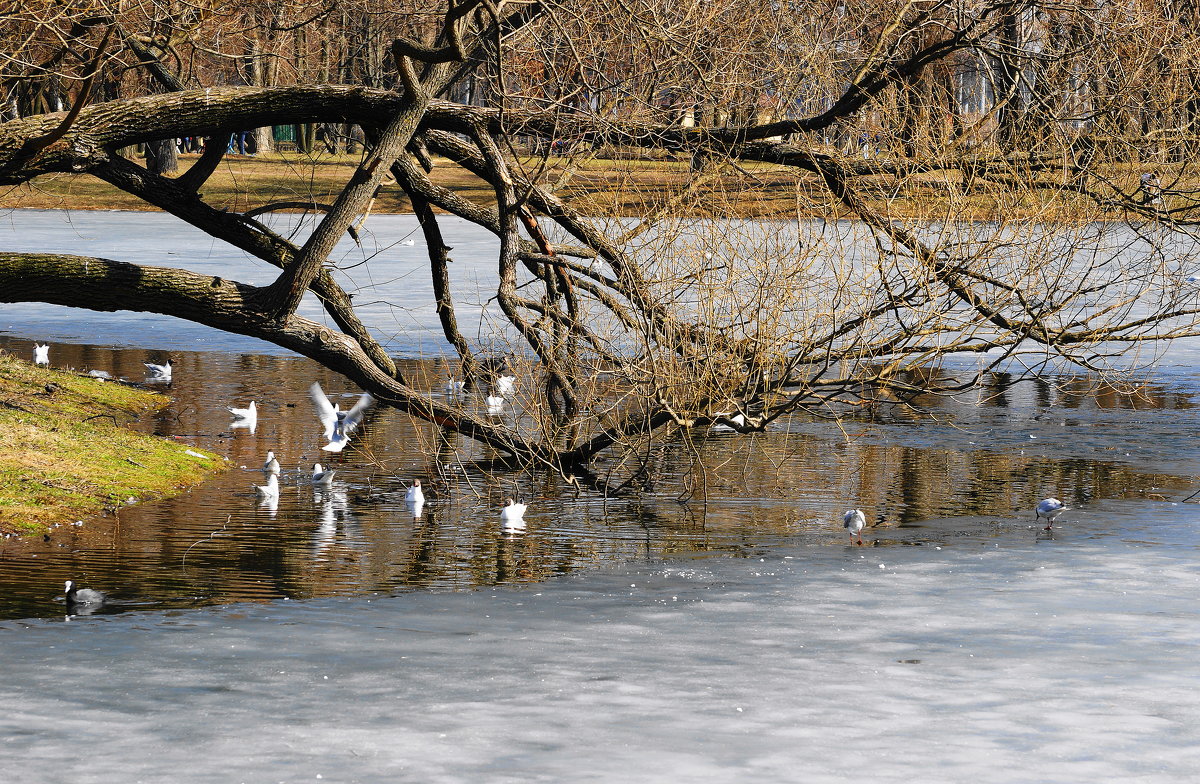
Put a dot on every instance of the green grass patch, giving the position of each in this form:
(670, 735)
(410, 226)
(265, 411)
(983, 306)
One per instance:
(69, 453)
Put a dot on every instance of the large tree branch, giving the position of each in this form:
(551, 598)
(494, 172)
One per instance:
(241, 232)
(107, 285)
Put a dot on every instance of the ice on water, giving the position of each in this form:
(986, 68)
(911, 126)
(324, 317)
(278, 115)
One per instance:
(981, 657)
(1060, 660)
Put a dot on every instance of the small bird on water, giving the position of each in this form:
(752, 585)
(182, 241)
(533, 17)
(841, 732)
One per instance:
(271, 464)
(82, 598)
(159, 372)
(512, 516)
(455, 387)
(854, 521)
(245, 417)
(271, 489)
(1049, 508)
(414, 496)
(321, 476)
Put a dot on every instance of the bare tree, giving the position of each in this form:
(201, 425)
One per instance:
(981, 239)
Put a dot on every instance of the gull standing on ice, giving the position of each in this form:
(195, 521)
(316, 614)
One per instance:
(512, 516)
(1049, 508)
(41, 354)
(854, 521)
(338, 424)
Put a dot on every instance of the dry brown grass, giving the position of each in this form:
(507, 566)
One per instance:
(596, 186)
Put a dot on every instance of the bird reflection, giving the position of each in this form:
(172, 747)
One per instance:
(270, 505)
(334, 509)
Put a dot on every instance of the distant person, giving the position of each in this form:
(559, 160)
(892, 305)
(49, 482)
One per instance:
(238, 143)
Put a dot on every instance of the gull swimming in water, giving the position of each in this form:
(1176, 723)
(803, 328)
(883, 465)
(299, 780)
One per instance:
(495, 404)
(512, 516)
(159, 372)
(41, 354)
(322, 477)
(455, 387)
(270, 490)
(414, 497)
(338, 424)
(854, 521)
(245, 417)
(271, 464)
(1049, 508)
(737, 419)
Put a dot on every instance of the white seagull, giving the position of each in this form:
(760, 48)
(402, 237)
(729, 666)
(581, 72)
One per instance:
(41, 354)
(338, 424)
(245, 417)
(736, 419)
(854, 521)
(414, 497)
(495, 404)
(455, 387)
(270, 490)
(1049, 508)
(271, 464)
(159, 372)
(505, 385)
(322, 477)
(512, 516)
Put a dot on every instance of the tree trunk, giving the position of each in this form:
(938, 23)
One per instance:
(162, 156)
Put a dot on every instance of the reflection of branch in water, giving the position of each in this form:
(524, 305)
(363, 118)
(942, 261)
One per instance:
(183, 562)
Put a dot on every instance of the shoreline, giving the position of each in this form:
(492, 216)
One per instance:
(70, 455)
(604, 188)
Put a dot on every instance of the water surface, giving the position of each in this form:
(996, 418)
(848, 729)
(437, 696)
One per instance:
(716, 627)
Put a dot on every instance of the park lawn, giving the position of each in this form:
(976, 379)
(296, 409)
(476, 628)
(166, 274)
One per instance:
(601, 187)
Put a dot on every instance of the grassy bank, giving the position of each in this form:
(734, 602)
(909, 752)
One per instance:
(67, 455)
(595, 186)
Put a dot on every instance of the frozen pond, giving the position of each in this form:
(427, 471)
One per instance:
(336, 638)
(1064, 661)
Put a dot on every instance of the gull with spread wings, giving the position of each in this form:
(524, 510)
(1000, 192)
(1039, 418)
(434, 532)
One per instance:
(338, 424)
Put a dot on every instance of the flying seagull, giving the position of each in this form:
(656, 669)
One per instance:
(338, 424)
